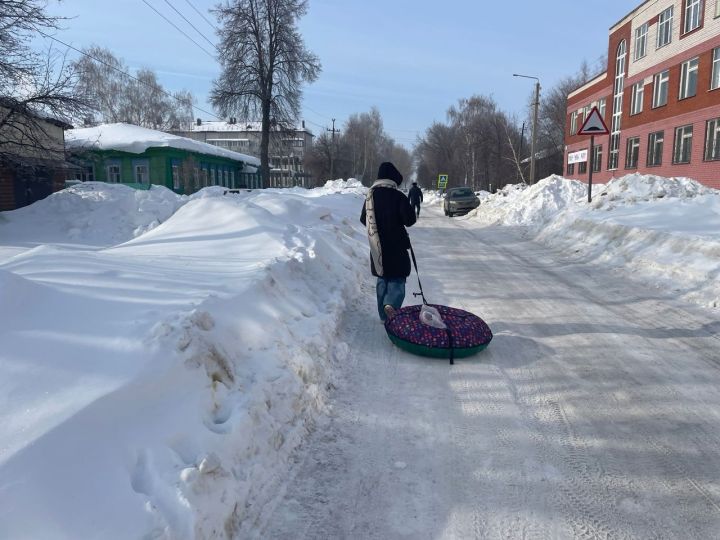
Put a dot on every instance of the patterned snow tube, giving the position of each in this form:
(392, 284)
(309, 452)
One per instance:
(466, 333)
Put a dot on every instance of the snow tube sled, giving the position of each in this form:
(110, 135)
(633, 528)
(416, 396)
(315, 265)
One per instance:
(465, 333)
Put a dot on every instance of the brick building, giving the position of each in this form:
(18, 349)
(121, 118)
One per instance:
(660, 96)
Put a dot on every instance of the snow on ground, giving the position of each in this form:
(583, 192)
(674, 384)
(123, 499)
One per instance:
(162, 356)
(665, 230)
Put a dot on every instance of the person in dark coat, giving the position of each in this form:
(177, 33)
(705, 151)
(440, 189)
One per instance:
(416, 197)
(386, 213)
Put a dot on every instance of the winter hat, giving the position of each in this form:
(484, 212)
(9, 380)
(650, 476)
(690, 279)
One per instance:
(388, 171)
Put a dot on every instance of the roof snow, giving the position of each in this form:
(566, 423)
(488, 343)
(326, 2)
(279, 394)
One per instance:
(136, 140)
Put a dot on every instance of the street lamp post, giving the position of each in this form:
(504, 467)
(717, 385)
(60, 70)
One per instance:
(533, 144)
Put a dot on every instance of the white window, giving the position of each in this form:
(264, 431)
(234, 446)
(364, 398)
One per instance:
(597, 158)
(142, 172)
(683, 144)
(688, 78)
(712, 140)
(665, 24)
(693, 15)
(573, 123)
(176, 176)
(638, 96)
(641, 41)
(614, 153)
(717, 8)
(660, 90)
(632, 153)
(113, 173)
(715, 79)
(655, 148)
(602, 105)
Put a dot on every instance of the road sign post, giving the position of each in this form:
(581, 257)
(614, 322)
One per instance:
(593, 125)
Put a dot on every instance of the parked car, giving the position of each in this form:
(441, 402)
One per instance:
(460, 201)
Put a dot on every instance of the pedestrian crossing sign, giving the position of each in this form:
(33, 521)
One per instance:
(442, 181)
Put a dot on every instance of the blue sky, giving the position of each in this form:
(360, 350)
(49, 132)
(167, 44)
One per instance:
(410, 58)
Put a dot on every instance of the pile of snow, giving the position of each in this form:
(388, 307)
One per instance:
(92, 214)
(532, 206)
(344, 186)
(432, 197)
(664, 230)
(165, 380)
(137, 139)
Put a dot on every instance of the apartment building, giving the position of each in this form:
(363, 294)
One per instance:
(287, 146)
(660, 97)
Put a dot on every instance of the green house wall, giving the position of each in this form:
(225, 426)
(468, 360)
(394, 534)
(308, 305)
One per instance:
(160, 163)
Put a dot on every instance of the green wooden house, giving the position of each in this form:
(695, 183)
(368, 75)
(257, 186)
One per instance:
(141, 157)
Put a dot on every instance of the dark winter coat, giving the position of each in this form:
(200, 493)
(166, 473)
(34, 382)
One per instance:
(393, 213)
(415, 195)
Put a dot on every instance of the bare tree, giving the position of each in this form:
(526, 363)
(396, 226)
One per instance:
(139, 100)
(36, 90)
(264, 63)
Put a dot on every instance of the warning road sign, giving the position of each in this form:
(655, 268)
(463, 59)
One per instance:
(594, 124)
(442, 181)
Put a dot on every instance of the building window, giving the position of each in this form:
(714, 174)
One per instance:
(213, 180)
(660, 88)
(638, 95)
(232, 179)
(717, 8)
(641, 41)
(597, 158)
(715, 79)
(570, 169)
(712, 140)
(176, 174)
(683, 144)
(693, 15)
(226, 178)
(632, 153)
(655, 148)
(688, 78)
(86, 174)
(114, 173)
(573, 123)
(142, 172)
(614, 154)
(602, 105)
(582, 167)
(665, 24)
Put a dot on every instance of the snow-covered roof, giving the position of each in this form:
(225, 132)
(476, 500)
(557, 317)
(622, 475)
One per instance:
(136, 140)
(239, 126)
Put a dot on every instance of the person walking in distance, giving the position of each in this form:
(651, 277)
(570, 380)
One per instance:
(416, 197)
(385, 214)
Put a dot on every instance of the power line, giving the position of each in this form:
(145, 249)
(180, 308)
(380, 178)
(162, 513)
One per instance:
(124, 72)
(200, 13)
(191, 24)
(179, 29)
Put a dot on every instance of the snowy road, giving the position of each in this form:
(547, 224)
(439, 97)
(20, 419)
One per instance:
(595, 412)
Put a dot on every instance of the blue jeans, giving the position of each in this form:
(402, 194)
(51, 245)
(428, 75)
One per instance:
(389, 291)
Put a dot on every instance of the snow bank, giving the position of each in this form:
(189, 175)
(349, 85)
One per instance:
(665, 230)
(91, 214)
(165, 380)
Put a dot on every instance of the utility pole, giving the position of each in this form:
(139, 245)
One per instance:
(332, 150)
(533, 145)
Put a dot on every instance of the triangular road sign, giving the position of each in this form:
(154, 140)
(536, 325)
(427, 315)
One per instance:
(594, 124)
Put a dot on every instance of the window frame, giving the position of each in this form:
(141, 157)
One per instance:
(658, 77)
(664, 25)
(597, 158)
(570, 169)
(716, 140)
(111, 164)
(686, 71)
(582, 167)
(681, 140)
(637, 101)
(573, 123)
(715, 70)
(632, 152)
(141, 164)
(653, 147)
(717, 9)
(689, 11)
(641, 37)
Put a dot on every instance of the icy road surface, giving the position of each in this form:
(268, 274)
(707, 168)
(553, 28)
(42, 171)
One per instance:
(595, 412)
